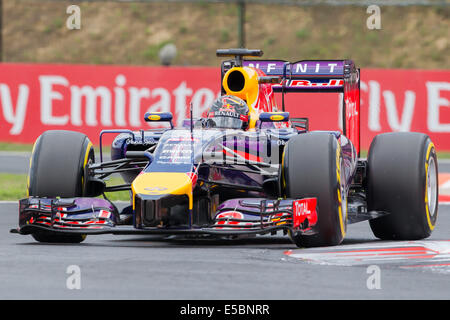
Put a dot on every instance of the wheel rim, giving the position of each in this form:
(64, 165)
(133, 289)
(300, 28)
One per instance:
(343, 193)
(431, 186)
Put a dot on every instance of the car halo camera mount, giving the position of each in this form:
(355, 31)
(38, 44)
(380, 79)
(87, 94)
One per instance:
(238, 54)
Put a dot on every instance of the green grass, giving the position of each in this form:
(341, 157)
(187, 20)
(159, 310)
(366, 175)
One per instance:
(363, 154)
(443, 155)
(302, 34)
(23, 147)
(151, 53)
(14, 187)
(7, 146)
(224, 35)
(440, 154)
(119, 195)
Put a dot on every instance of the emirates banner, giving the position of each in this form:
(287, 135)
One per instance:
(90, 98)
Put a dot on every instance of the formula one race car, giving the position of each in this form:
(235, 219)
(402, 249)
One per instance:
(245, 169)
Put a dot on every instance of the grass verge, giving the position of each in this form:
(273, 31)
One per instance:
(440, 154)
(16, 147)
(14, 187)
(25, 147)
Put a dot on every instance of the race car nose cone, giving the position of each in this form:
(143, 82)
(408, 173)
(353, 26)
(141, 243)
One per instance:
(163, 183)
(156, 183)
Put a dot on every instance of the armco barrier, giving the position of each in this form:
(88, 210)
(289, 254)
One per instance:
(89, 98)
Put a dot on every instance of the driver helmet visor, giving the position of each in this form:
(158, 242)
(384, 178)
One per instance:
(226, 122)
(230, 120)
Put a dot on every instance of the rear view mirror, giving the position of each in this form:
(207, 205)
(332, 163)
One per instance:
(159, 116)
(274, 116)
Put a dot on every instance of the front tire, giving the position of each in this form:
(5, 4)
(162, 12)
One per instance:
(403, 181)
(312, 168)
(57, 170)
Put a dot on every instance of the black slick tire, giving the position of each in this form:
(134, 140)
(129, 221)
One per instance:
(402, 180)
(311, 168)
(56, 170)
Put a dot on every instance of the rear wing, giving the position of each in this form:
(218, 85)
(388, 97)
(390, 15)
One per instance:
(305, 75)
(339, 76)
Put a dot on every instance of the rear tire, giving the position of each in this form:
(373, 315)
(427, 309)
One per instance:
(57, 170)
(312, 168)
(402, 179)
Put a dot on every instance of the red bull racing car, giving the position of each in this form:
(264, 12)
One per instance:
(248, 168)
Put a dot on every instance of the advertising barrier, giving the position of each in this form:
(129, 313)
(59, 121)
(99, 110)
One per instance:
(90, 98)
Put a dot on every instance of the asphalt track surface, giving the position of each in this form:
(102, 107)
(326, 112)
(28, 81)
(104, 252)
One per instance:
(150, 267)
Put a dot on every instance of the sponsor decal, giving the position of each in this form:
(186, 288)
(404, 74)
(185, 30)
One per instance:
(224, 114)
(276, 118)
(154, 117)
(304, 209)
(299, 68)
(104, 214)
(230, 215)
(308, 83)
(89, 99)
(156, 189)
(226, 107)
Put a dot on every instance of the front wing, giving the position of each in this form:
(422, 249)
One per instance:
(247, 216)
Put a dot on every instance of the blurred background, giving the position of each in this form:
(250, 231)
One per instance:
(101, 64)
(413, 34)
